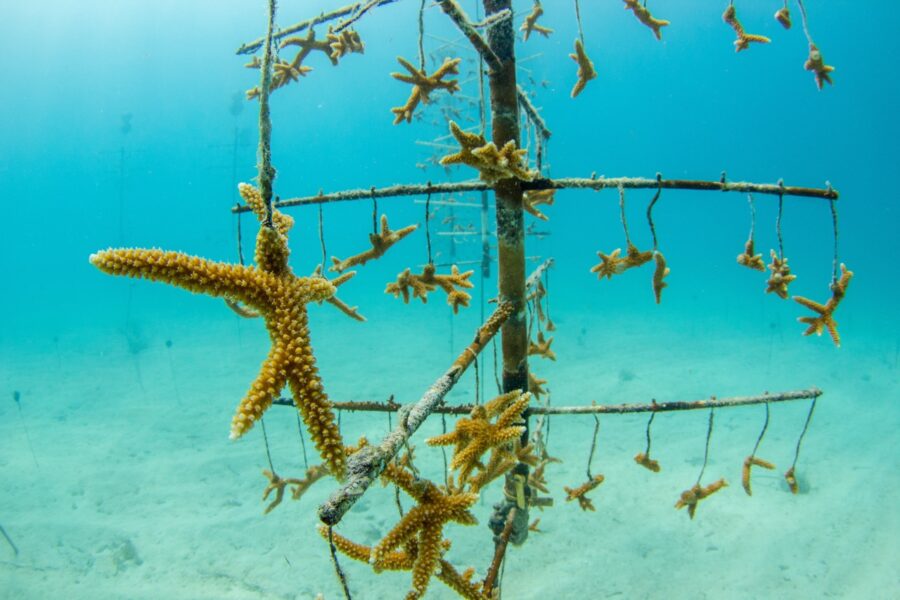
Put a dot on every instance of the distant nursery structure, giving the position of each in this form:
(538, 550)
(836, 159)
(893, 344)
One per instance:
(503, 440)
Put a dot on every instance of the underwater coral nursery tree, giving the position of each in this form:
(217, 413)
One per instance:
(494, 441)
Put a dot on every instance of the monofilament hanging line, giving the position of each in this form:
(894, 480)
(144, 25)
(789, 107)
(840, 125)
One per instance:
(428, 226)
(804, 21)
(322, 240)
(649, 423)
(262, 424)
(578, 19)
(761, 433)
(752, 215)
(650, 211)
(422, 36)
(240, 243)
(812, 408)
(780, 214)
(337, 566)
(374, 211)
(622, 215)
(709, 430)
(836, 261)
(593, 446)
(303, 440)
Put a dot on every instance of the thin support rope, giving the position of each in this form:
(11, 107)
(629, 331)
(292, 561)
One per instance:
(578, 18)
(752, 215)
(428, 226)
(778, 231)
(804, 21)
(761, 433)
(709, 430)
(240, 240)
(836, 261)
(303, 440)
(374, 211)
(650, 211)
(422, 36)
(496, 368)
(649, 424)
(622, 215)
(593, 446)
(262, 424)
(812, 408)
(322, 240)
(337, 566)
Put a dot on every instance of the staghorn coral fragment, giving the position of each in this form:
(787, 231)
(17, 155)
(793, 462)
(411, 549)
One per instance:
(749, 259)
(661, 272)
(691, 497)
(609, 265)
(614, 264)
(423, 525)
(475, 435)
(744, 39)
(791, 480)
(643, 15)
(825, 318)
(428, 281)
(648, 463)
(536, 385)
(272, 289)
(530, 23)
(493, 164)
(381, 242)
(423, 84)
(403, 560)
(750, 462)
(541, 347)
(816, 64)
(531, 199)
(579, 492)
(343, 43)
(586, 70)
(780, 276)
(783, 16)
(298, 486)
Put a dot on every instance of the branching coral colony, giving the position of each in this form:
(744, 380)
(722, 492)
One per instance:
(493, 441)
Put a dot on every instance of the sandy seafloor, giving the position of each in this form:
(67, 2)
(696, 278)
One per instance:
(138, 493)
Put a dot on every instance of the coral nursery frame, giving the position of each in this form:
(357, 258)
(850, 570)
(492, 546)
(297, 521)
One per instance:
(510, 426)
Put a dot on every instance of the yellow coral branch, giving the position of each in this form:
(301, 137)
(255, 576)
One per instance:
(381, 242)
(530, 23)
(744, 39)
(816, 64)
(579, 492)
(780, 276)
(643, 15)
(825, 318)
(749, 259)
(427, 281)
(423, 84)
(750, 462)
(661, 272)
(586, 70)
(493, 164)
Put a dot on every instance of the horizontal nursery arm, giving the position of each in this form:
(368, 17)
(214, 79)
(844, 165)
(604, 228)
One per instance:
(355, 11)
(369, 462)
(593, 183)
(615, 409)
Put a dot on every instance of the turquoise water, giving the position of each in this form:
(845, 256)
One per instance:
(122, 128)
